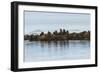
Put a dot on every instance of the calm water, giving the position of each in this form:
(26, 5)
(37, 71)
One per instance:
(58, 50)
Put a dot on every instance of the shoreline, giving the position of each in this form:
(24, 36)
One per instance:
(62, 35)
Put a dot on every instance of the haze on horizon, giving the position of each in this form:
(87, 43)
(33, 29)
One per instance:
(37, 21)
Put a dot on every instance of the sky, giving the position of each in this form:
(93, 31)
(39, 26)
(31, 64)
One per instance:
(39, 21)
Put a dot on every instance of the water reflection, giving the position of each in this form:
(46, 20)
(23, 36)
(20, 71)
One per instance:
(54, 50)
(62, 44)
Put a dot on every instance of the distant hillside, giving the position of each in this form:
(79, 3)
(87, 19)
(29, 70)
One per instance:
(55, 36)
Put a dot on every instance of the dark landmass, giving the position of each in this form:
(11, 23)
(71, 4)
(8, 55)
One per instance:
(58, 36)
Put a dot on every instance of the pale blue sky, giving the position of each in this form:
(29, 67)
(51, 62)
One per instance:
(36, 21)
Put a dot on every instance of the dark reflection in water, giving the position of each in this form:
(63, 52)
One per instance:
(56, 50)
(54, 43)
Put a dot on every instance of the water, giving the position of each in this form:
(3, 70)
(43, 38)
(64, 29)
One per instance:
(56, 50)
